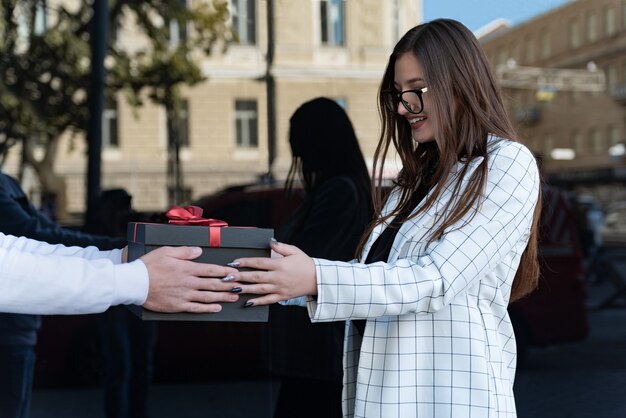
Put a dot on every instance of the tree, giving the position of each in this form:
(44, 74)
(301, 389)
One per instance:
(45, 74)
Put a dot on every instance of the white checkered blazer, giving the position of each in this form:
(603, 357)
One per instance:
(438, 340)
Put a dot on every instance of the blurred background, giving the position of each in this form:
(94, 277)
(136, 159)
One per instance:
(188, 101)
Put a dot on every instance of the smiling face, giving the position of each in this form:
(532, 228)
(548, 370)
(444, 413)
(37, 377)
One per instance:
(408, 75)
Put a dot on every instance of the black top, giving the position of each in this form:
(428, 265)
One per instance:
(382, 246)
(328, 225)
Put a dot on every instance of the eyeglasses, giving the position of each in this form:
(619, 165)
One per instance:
(410, 99)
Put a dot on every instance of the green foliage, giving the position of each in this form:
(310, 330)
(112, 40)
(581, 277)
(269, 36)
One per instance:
(44, 78)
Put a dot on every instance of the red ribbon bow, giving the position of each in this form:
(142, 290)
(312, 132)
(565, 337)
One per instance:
(191, 215)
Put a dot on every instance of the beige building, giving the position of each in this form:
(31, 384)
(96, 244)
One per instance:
(334, 48)
(581, 134)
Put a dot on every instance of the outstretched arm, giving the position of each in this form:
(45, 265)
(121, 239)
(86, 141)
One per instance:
(38, 278)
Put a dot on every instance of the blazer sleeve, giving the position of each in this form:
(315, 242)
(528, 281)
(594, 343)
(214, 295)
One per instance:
(39, 278)
(465, 253)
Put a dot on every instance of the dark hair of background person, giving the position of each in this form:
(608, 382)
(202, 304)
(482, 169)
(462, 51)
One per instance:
(324, 145)
(466, 100)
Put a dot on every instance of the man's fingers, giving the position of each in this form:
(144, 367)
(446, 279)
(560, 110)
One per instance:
(209, 270)
(183, 253)
(202, 308)
(212, 297)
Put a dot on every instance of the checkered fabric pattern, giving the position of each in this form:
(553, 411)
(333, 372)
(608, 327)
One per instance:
(438, 340)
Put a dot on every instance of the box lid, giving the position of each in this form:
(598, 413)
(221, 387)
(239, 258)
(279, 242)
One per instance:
(167, 234)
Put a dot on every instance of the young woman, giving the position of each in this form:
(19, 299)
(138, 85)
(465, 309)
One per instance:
(454, 243)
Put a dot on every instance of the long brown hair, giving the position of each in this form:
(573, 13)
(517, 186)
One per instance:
(465, 107)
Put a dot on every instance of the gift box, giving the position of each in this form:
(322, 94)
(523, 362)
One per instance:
(220, 244)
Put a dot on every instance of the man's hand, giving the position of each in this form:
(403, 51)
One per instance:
(180, 285)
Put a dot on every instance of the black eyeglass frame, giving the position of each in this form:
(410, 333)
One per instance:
(395, 98)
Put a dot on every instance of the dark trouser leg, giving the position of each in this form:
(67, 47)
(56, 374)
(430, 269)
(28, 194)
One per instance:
(17, 364)
(116, 361)
(309, 398)
(143, 339)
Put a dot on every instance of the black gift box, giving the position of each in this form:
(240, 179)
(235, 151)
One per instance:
(220, 245)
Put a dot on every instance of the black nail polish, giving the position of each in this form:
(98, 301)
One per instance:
(248, 304)
(233, 264)
(236, 289)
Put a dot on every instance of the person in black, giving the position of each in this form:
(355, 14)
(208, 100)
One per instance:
(18, 332)
(328, 161)
(127, 342)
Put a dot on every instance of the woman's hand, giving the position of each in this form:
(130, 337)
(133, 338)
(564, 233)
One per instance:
(292, 275)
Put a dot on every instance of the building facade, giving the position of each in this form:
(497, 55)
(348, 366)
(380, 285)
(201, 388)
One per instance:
(333, 48)
(580, 134)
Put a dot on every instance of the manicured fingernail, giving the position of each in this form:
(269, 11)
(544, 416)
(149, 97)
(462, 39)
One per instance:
(228, 278)
(233, 264)
(236, 289)
(273, 241)
(248, 304)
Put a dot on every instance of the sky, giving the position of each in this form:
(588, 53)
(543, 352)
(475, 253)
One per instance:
(477, 13)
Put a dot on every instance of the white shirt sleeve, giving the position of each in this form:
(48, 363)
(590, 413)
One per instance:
(40, 278)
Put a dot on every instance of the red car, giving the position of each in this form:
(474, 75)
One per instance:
(68, 348)
(554, 313)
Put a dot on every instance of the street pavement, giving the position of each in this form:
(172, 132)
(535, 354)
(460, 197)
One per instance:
(586, 379)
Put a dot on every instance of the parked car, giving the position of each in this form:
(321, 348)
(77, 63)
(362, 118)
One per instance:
(68, 347)
(556, 311)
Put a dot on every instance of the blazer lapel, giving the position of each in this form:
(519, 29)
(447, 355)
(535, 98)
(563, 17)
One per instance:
(418, 227)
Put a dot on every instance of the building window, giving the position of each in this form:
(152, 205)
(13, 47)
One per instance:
(548, 144)
(177, 29)
(341, 101)
(244, 20)
(574, 33)
(530, 50)
(614, 136)
(546, 44)
(577, 143)
(110, 138)
(611, 76)
(31, 20)
(332, 22)
(515, 52)
(246, 124)
(501, 56)
(595, 139)
(395, 20)
(609, 21)
(592, 27)
(182, 129)
(41, 18)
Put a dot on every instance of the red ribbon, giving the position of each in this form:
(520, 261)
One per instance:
(192, 215)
